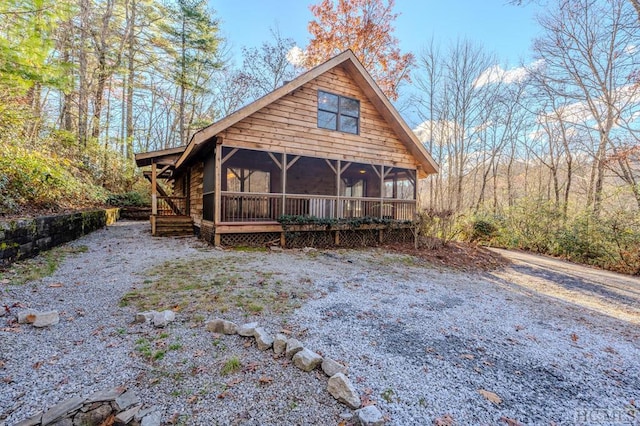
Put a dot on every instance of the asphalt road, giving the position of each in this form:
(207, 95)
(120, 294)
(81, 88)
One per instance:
(607, 292)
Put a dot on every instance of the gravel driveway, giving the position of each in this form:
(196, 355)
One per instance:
(423, 344)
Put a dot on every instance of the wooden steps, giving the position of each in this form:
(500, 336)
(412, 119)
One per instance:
(171, 226)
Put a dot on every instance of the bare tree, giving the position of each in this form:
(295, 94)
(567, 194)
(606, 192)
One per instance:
(587, 48)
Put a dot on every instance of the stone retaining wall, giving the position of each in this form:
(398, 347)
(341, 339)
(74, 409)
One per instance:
(135, 213)
(117, 406)
(24, 238)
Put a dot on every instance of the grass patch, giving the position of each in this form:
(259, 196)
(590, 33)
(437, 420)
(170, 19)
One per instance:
(155, 350)
(248, 249)
(232, 365)
(43, 265)
(216, 285)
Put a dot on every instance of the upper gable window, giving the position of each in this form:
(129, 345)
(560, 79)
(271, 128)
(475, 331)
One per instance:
(338, 113)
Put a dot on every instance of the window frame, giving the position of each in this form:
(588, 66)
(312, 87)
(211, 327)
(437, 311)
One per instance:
(339, 113)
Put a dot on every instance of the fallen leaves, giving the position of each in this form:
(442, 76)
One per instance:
(251, 367)
(445, 420)
(574, 337)
(109, 421)
(366, 400)
(232, 383)
(510, 422)
(264, 380)
(490, 396)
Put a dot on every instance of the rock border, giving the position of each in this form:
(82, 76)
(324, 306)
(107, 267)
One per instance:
(339, 385)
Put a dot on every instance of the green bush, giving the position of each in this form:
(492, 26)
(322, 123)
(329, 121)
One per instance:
(128, 199)
(438, 227)
(42, 180)
(479, 230)
(611, 241)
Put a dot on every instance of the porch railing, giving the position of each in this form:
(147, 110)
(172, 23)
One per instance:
(257, 207)
(172, 206)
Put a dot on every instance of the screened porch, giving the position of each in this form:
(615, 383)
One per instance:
(258, 186)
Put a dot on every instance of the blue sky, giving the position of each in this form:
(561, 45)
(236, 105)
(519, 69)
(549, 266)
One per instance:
(500, 28)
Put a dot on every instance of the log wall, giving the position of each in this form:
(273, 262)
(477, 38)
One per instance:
(290, 125)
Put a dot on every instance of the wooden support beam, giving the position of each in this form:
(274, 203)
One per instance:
(154, 190)
(164, 169)
(229, 155)
(275, 160)
(293, 161)
(331, 165)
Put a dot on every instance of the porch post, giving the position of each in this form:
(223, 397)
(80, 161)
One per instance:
(338, 206)
(217, 204)
(381, 213)
(284, 181)
(154, 190)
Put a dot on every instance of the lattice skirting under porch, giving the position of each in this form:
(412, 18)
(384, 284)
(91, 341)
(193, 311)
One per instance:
(317, 239)
(261, 239)
(401, 236)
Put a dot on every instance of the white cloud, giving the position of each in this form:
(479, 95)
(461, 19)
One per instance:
(496, 74)
(443, 131)
(296, 56)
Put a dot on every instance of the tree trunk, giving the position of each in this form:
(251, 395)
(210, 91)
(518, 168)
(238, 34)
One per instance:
(131, 78)
(83, 103)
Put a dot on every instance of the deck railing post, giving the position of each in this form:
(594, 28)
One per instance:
(154, 190)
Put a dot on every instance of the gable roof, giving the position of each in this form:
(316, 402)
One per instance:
(356, 70)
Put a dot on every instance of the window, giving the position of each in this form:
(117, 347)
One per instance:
(247, 180)
(338, 113)
(400, 184)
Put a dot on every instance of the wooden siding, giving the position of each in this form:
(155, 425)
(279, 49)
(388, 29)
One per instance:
(178, 186)
(195, 192)
(290, 125)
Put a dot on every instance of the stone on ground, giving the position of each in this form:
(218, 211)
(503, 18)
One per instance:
(247, 330)
(263, 339)
(331, 367)
(370, 416)
(152, 419)
(340, 387)
(280, 344)
(306, 360)
(45, 319)
(221, 326)
(27, 316)
(293, 347)
(144, 317)
(161, 319)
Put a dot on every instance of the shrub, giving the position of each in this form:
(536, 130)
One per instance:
(479, 230)
(437, 227)
(128, 199)
(42, 180)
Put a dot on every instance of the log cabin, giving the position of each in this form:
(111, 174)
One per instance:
(328, 146)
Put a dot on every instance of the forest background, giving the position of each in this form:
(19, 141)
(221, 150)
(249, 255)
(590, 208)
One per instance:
(544, 157)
